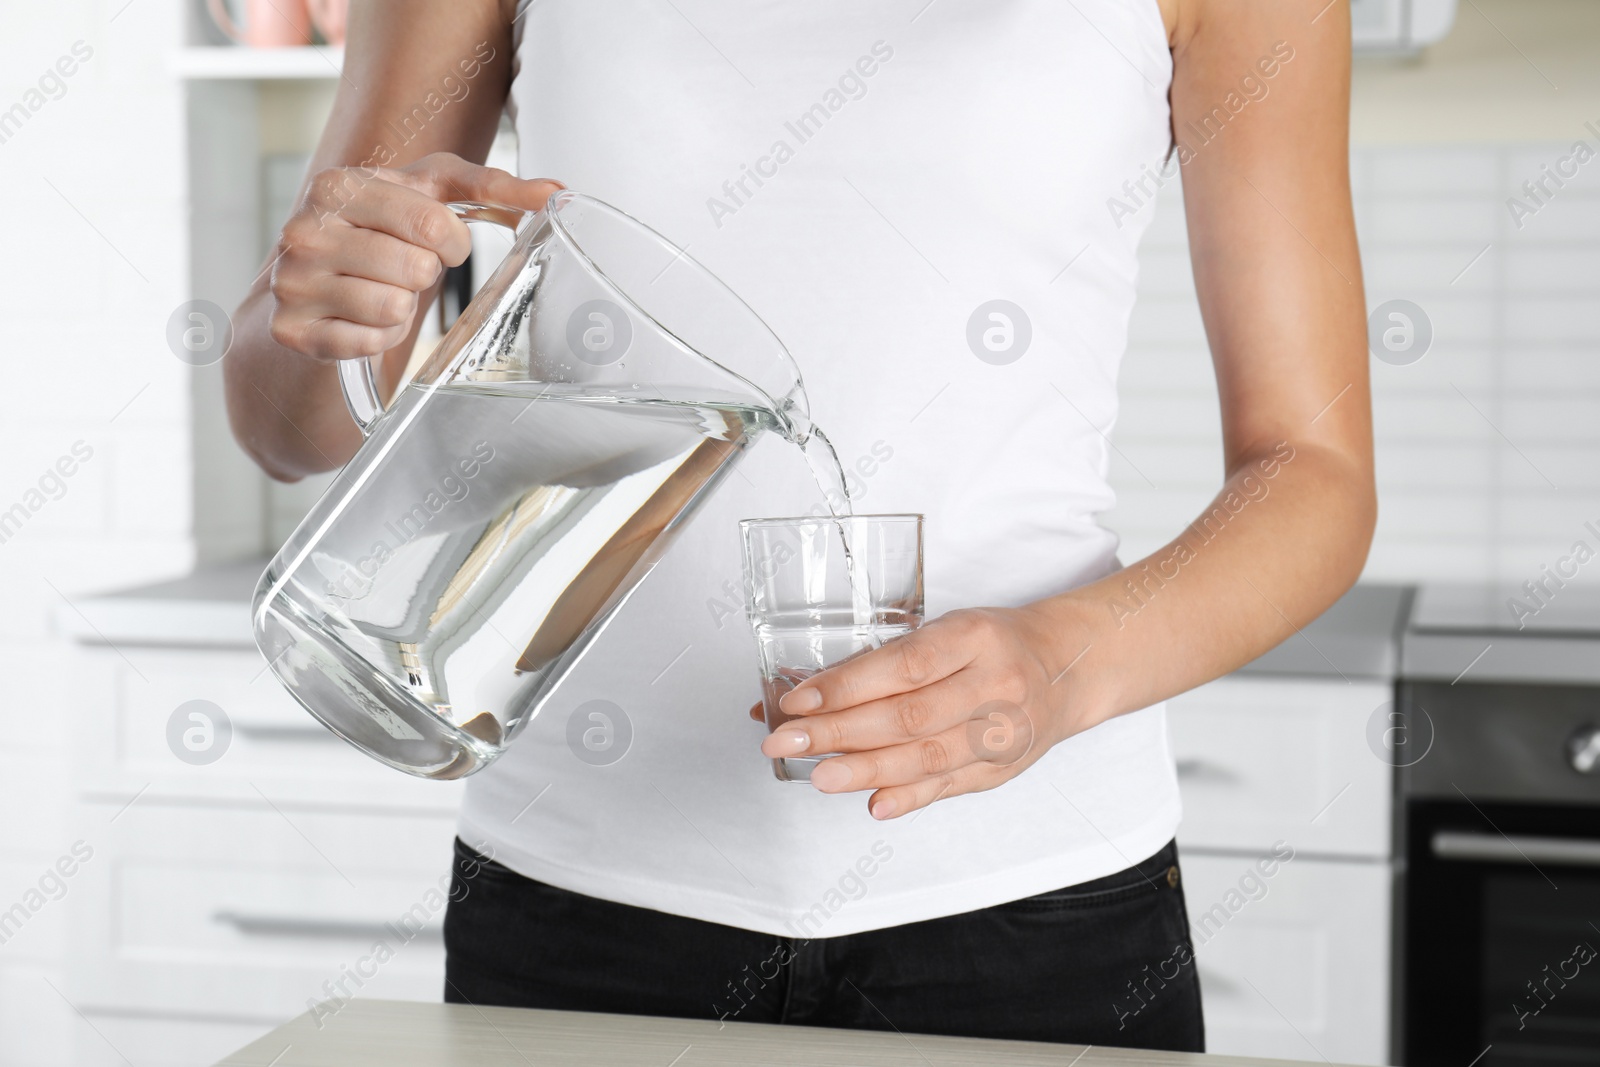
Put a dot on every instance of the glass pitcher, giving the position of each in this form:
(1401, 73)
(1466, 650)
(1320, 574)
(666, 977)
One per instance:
(518, 488)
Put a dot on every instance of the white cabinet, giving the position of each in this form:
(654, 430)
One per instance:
(1264, 759)
(1295, 964)
(1293, 954)
(222, 897)
(275, 749)
(120, 1040)
(36, 1025)
(257, 911)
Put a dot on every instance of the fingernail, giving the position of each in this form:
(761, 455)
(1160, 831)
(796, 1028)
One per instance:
(800, 701)
(881, 810)
(785, 743)
(831, 776)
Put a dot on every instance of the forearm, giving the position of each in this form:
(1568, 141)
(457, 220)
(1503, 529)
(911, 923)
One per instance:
(1284, 538)
(1278, 277)
(285, 408)
(360, 257)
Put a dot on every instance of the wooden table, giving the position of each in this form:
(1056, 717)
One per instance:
(369, 1033)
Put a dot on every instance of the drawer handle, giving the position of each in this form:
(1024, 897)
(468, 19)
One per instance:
(325, 929)
(281, 734)
(1199, 769)
(1481, 848)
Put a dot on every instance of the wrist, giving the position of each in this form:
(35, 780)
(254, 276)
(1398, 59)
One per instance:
(1068, 638)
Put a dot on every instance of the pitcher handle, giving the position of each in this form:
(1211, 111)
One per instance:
(358, 378)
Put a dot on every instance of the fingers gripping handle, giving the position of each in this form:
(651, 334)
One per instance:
(358, 378)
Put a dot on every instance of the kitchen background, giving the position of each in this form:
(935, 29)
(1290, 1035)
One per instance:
(201, 910)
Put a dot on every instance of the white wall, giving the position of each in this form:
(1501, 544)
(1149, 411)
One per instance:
(94, 261)
(1489, 446)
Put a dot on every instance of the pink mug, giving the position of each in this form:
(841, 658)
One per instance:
(267, 23)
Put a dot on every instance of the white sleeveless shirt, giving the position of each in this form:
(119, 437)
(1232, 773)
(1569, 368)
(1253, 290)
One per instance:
(869, 177)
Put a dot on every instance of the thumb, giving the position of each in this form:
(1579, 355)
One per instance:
(446, 177)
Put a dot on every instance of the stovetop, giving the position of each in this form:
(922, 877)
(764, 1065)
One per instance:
(1502, 633)
(1505, 609)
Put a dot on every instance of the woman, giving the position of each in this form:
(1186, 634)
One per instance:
(937, 206)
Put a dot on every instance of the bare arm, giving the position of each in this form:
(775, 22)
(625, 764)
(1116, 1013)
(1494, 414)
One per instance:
(1274, 252)
(421, 95)
(1273, 245)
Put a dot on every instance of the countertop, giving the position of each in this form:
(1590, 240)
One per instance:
(1485, 633)
(209, 608)
(1359, 637)
(396, 1034)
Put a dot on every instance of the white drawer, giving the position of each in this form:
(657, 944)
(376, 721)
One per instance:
(246, 912)
(33, 908)
(35, 806)
(274, 744)
(1294, 964)
(1262, 760)
(159, 1042)
(36, 1025)
(36, 673)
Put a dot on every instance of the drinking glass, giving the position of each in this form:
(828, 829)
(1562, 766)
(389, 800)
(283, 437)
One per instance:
(804, 611)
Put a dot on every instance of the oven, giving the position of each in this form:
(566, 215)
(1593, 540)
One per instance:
(1499, 912)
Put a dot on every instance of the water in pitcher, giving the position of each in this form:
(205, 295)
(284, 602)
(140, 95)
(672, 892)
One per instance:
(509, 523)
(486, 535)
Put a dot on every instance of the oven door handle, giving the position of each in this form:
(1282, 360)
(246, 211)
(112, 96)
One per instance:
(1456, 846)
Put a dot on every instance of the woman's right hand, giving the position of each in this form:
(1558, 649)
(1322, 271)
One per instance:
(366, 242)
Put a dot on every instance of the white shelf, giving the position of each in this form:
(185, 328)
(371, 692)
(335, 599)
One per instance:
(236, 63)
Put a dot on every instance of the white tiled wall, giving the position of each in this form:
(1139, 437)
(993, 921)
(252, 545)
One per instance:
(1485, 494)
(94, 260)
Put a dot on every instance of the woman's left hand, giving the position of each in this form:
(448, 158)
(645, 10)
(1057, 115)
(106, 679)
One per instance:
(962, 704)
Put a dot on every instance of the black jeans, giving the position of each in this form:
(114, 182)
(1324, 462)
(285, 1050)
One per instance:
(1107, 962)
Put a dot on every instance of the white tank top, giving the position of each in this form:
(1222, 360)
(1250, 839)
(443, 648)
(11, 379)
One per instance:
(869, 178)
